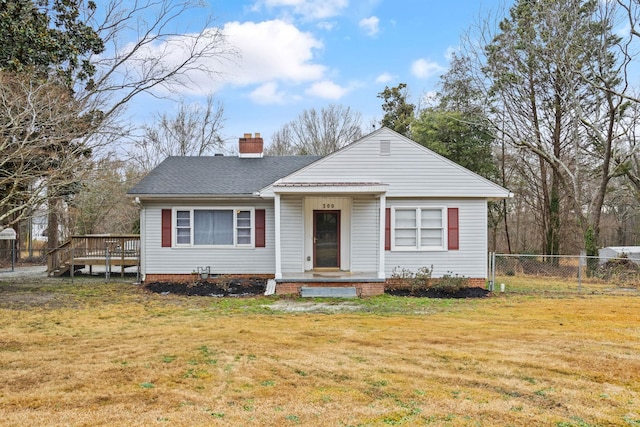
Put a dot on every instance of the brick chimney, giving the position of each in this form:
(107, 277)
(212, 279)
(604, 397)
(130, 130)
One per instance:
(251, 146)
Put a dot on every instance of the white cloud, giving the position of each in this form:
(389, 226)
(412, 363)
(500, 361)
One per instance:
(326, 25)
(370, 25)
(451, 50)
(429, 99)
(308, 9)
(623, 31)
(423, 69)
(326, 89)
(267, 51)
(267, 93)
(385, 78)
(272, 50)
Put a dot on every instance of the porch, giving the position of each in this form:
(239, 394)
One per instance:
(330, 232)
(99, 249)
(319, 276)
(365, 283)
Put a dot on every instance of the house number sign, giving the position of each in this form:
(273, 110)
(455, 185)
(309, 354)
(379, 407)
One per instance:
(328, 206)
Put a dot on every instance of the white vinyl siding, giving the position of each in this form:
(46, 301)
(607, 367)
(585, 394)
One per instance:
(470, 260)
(222, 259)
(410, 170)
(292, 234)
(365, 234)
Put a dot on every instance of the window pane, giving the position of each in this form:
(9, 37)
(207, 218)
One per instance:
(182, 218)
(183, 235)
(431, 218)
(183, 227)
(405, 238)
(223, 227)
(244, 236)
(431, 237)
(213, 227)
(203, 227)
(243, 219)
(405, 218)
(243, 227)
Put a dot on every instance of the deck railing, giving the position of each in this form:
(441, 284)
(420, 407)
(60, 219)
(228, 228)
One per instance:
(95, 249)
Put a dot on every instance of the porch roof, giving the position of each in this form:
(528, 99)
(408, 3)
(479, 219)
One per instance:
(329, 187)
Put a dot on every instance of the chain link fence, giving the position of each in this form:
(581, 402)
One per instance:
(563, 274)
(12, 258)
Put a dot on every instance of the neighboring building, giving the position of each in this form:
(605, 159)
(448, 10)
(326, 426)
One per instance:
(39, 222)
(353, 216)
(630, 252)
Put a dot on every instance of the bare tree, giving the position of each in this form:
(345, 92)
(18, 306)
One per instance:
(162, 58)
(53, 122)
(41, 131)
(160, 61)
(282, 142)
(102, 205)
(558, 81)
(317, 133)
(193, 131)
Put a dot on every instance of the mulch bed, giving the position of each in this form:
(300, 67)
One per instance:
(214, 288)
(257, 286)
(471, 292)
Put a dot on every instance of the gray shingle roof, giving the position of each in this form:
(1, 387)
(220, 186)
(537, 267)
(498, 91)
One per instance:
(217, 175)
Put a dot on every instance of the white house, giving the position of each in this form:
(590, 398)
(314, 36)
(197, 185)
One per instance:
(353, 216)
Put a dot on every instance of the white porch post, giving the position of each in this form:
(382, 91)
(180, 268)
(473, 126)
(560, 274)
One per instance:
(277, 231)
(383, 206)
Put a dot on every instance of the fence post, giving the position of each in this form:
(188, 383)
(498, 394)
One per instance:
(581, 264)
(138, 269)
(13, 255)
(107, 272)
(492, 270)
(73, 261)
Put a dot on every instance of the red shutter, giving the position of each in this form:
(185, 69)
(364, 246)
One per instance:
(166, 228)
(453, 229)
(260, 229)
(387, 229)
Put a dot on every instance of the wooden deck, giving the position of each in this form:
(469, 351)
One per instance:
(99, 249)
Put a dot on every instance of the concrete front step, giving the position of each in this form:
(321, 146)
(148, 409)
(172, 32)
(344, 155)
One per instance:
(328, 292)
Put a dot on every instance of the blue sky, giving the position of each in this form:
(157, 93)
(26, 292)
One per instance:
(302, 54)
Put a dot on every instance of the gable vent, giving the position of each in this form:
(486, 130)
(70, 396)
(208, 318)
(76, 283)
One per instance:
(385, 148)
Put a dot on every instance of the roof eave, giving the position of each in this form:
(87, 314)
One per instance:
(146, 196)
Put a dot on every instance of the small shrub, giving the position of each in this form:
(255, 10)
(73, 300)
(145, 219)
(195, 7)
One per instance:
(401, 273)
(418, 281)
(422, 279)
(450, 283)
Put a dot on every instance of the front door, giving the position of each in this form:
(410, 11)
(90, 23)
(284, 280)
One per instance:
(326, 239)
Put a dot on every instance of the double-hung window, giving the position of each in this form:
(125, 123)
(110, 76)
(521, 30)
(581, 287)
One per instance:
(419, 228)
(214, 227)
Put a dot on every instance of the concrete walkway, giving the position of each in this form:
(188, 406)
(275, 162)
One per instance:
(30, 271)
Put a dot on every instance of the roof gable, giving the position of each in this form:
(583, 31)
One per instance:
(408, 168)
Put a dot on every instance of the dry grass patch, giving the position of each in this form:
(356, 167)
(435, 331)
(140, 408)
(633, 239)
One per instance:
(115, 355)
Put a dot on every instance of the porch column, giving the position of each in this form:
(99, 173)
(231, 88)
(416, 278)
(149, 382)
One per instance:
(383, 212)
(276, 205)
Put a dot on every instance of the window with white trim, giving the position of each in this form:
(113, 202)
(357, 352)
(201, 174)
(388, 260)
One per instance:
(214, 227)
(418, 228)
